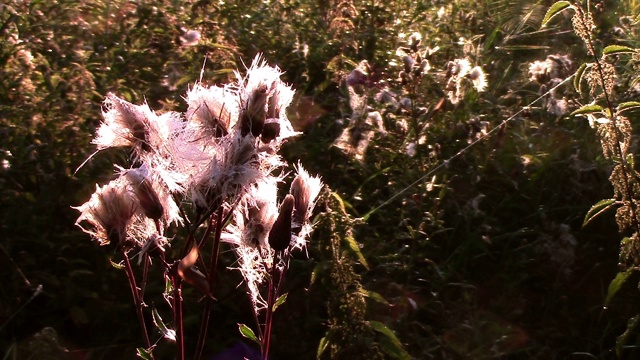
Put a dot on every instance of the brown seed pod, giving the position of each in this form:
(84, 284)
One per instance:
(280, 234)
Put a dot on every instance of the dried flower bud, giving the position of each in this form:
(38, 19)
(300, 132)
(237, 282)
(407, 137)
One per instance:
(280, 234)
(254, 112)
(147, 197)
(414, 41)
(154, 246)
(424, 67)
(356, 77)
(270, 131)
(300, 192)
(405, 78)
(408, 63)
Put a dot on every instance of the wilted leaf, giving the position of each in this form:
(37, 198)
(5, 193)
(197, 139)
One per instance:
(189, 260)
(188, 273)
(166, 332)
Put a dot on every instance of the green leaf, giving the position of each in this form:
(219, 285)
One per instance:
(622, 339)
(144, 354)
(554, 10)
(340, 201)
(166, 332)
(393, 346)
(616, 284)
(353, 245)
(281, 300)
(324, 342)
(618, 49)
(116, 265)
(631, 161)
(627, 106)
(587, 109)
(597, 209)
(577, 79)
(316, 270)
(248, 333)
(374, 296)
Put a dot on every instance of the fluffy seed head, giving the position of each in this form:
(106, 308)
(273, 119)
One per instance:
(109, 211)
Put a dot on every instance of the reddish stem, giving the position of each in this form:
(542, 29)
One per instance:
(206, 315)
(177, 311)
(137, 299)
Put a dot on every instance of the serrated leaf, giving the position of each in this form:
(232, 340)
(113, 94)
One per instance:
(577, 78)
(353, 245)
(144, 354)
(248, 333)
(627, 106)
(393, 347)
(618, 49)
(374, 296)
(166, 332)
(554, 10)
(281, 300)
(597, 209)
(616, 284)
(622, 339)
(587, 109)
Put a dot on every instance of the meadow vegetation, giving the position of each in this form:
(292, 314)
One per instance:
(476, 160)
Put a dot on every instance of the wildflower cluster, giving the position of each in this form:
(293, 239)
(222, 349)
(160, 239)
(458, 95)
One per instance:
(220, 157)
(548, 74)
(398, 97)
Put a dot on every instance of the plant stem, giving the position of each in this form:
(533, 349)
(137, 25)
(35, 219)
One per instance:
(206, 315)
(623, 164)
(266, 340)
(177, 310)
(137, 299)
